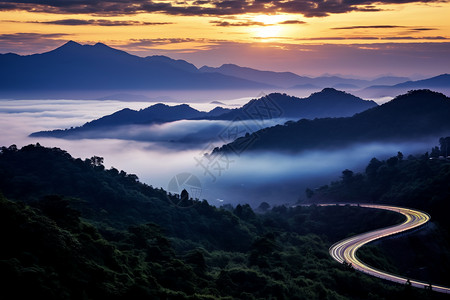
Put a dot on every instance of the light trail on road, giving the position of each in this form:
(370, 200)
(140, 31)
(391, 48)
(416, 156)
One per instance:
(345, 250)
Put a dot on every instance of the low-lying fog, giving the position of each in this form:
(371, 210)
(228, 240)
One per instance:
(248, 178)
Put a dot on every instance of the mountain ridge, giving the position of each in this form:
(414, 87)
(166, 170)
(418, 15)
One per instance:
(293, 81)
(73, 66)
(329, 102)
(417, 114)
(82, 70)
(440, 82)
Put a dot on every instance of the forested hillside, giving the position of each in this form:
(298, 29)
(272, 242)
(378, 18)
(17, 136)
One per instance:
(416, 115)
(72, 229)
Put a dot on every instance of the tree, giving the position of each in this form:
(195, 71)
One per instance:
(399, 156)
(184, 195)
(97, 161)
(435, 152)
(372, 167)
(347, 176)
(392, 161)
(445, 145)
(264, 206)
(309, 193)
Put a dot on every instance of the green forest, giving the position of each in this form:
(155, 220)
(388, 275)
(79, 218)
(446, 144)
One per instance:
(72, 229)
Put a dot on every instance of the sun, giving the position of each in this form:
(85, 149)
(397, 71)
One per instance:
(267, 31)
(270, 27)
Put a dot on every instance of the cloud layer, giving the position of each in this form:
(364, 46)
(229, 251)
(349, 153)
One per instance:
(250, 178)
(309, 8)
(100, 22)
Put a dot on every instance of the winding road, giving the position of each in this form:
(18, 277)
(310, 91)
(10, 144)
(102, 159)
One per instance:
(345, 250)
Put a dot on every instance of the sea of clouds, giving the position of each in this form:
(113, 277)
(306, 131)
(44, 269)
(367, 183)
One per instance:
(158, 153)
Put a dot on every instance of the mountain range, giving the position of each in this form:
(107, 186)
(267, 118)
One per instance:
(99, 67)
(409, 117)
(73, 68)
(437, 83)
(292, 80)
(327, 103)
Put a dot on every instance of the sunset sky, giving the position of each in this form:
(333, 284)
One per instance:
(355, 37)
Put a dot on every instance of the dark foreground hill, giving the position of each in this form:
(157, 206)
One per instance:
(79, 231)
(415, 115)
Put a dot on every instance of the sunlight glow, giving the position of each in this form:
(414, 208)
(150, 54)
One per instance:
(267, 31)
(270, 19)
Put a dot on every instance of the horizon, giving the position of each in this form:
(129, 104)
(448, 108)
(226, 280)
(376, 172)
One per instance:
(367, 39)
(410, 77)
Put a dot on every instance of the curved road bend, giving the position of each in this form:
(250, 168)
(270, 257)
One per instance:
(345, 250)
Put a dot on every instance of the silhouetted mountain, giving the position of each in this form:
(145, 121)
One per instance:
(326, 103)
(74, 67)
(439, 83)
(294, 81)
(389, 80)
(434, 82)
(158, 113)
(281, 79)
(414, 115)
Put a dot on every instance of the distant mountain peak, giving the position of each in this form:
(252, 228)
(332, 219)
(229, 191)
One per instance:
(330, 90)
(418, 97)
(69, 45)
(411, 117)
(101, 45)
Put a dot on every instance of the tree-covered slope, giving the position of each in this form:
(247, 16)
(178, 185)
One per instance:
(417, 114)
(108, 236)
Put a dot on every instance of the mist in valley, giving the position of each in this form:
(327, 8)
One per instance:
(158, 153)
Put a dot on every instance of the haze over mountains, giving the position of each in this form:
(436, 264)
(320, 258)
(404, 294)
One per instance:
(438, 83)
(327, 103)
(291, 80)
(410, 117)
(74, 67)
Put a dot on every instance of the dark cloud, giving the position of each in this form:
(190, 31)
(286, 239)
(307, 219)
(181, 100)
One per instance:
(100, 22)
(252, 23)
(238, 24)
(27, 37)
(291, 22)
(415, 38)
(133, 43)
(368, 27)
(339, 38)
(309, 8)
(384, 27)
(423, 29)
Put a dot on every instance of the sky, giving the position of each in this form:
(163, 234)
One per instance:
(348, 37)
